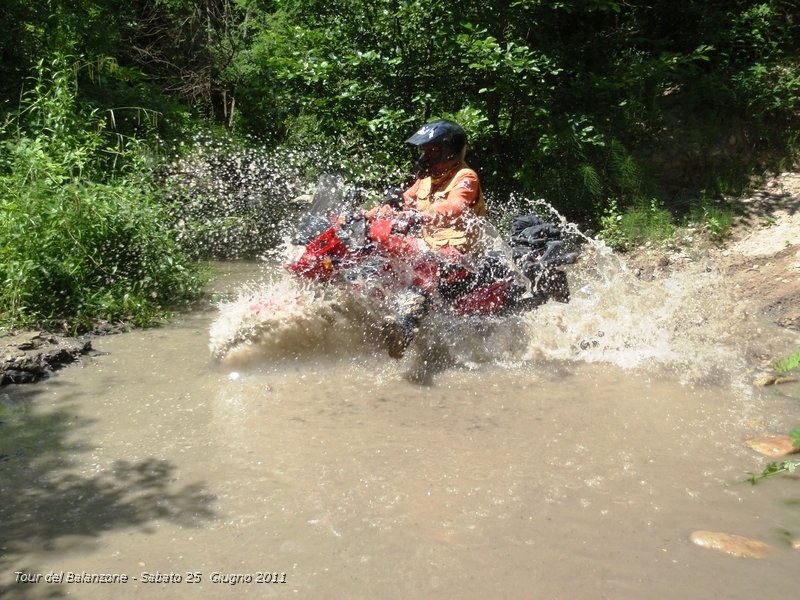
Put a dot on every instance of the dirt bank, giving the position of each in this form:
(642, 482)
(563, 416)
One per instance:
(764, 257)
(761, 260)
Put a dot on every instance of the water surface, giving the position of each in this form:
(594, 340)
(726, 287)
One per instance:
(532, 475)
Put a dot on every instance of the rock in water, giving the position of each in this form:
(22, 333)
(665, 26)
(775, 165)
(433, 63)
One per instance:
(773, 445)
(29, 356)
(728, 543)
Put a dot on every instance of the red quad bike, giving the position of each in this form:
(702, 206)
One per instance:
(385, 262)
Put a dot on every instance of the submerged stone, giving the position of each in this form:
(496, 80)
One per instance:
(728, 543)
(765, 379)
(772, 445)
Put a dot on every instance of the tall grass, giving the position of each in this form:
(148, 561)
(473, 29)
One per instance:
(83, 238)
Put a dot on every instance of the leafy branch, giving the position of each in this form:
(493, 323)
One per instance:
(778, 468)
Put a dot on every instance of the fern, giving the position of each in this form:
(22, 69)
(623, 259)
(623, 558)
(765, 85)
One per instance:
(591, 180)
(625, 168)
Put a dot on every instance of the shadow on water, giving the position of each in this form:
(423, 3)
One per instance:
(47, 504)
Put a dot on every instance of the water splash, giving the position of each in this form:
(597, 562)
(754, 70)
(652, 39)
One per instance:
(613, 317)
(231, 200)
(277, 319)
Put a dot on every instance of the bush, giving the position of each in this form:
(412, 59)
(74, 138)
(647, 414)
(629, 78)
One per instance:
(644, 222)
(714, 220)
(88, 251)
(83, 236)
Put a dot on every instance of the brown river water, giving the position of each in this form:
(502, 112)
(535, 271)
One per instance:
(565, 454)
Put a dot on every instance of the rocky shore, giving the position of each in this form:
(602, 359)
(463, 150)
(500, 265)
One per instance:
(30, 356)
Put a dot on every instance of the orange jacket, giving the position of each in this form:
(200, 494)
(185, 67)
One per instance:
(454, 199)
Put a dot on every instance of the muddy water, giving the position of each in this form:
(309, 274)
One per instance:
(559, 469)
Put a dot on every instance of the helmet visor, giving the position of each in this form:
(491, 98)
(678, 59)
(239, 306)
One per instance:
(425, 134)
(429, 155)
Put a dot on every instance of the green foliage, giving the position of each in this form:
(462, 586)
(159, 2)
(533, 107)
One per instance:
(35, 29)
(788, 363)
(649, 221)
(716, 221)
(766, 75)
(571, 102)
(83, 237)
(644, 222)
(611, 226)
(773, 469)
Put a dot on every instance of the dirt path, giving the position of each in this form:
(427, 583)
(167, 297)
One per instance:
(764, 258)
(759, 265)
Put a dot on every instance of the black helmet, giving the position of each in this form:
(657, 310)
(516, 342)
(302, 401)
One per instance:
(449, 137)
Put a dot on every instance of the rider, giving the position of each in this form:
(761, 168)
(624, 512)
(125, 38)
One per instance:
(447, 196)
(446, 193)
